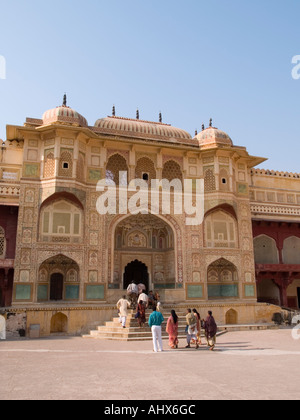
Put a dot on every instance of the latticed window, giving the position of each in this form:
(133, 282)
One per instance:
(172, 171)
(49, 164)
(80, 167)
(2, 243)
(66, 163)
(145, 169)
(115, 165)
(209, 180)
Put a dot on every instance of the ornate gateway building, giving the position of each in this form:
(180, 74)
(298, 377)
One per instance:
(60, 256)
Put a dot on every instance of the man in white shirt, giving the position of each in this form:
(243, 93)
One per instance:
(133, 292)
(123, 305)
(143, 298)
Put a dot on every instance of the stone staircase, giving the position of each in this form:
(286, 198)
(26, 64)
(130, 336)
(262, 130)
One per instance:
(113, 330)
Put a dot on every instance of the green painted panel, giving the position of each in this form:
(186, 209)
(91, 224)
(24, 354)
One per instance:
(113, 286)
(95, 292)
(164, 286)
(249, 290)
(94, 175)
(23, 291)
(242, 188)
(42, 293)
(31, 170)
(194, 291)
(72, 292)
(222, 290)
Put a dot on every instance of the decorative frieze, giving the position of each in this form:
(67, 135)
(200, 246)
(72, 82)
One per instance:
(276, 210)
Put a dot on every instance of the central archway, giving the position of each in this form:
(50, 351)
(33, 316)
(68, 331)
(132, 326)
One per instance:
(151, 240)
(137, 272)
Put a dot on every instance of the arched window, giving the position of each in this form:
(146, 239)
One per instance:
(172, 171)
(265, 250)
(66, 163)
(291, 250)
(115, 165)
(61, 219)
(220, 230)
(209, 180)
(145, 169)
(2, 243)
(49, 164)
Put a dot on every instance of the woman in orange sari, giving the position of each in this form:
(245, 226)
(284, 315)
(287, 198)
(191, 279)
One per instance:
(198, 318)
(172, 330)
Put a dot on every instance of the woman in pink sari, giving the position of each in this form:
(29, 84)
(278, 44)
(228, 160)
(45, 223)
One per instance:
(172, 330)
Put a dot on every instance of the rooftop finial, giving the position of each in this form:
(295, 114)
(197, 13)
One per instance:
(137, 114)
(65, 100)
(203, 127)
(114, 111)
(210, 122)
(196, 132)
(160, 117)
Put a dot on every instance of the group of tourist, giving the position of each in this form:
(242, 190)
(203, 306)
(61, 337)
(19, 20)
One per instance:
(137, 293)
(193, 329)
(139, 299)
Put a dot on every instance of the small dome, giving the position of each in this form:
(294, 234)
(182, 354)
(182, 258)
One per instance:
(213, 136)
(64, 115)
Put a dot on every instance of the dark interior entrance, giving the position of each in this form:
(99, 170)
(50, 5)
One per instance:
(56, 286)
(136, 271)
(298, 291)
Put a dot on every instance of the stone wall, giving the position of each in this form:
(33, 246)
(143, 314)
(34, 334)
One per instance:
(16, 324)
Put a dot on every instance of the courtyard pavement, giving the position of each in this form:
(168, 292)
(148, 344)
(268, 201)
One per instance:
(252, 365)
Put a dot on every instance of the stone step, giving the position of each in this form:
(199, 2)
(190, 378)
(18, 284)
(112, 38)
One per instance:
(131, 329)
(133, 322)
(248, 327)
(126, 336)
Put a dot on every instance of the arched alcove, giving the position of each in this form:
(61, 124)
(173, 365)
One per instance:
(231, 317)
(59, 323)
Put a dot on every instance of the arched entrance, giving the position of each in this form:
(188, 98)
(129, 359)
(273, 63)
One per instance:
(138, 272)
(150, 240)
(58, 277)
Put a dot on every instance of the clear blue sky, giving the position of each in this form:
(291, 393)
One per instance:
(193, 60)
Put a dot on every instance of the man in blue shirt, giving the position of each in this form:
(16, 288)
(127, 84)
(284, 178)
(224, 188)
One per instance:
(155, 321)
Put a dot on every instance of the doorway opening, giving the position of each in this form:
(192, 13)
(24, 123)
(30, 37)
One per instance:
(56, 286)
(137, 272)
